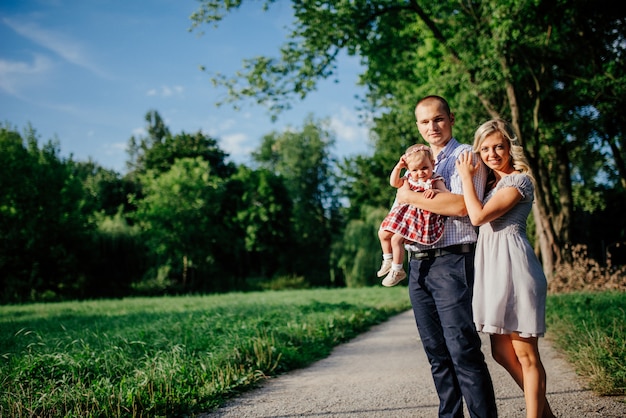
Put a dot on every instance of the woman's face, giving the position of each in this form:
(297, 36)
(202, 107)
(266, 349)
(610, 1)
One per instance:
(495, 152)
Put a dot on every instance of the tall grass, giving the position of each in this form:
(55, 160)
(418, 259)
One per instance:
(170, 356)
(590, 327)
(176, 356)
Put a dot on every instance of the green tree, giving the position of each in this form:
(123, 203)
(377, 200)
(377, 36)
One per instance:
(106, 191)
(514, 59)
(117, 257)
(178, 215)
(44, 231)
(160, 149)
(256, 209)
(302, 159)
(358, 252)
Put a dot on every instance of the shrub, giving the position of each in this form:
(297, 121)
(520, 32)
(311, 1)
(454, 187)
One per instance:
(586, 274)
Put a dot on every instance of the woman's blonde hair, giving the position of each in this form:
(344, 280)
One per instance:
(518, 159)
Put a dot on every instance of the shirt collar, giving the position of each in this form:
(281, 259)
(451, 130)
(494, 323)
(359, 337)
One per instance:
(447, 150)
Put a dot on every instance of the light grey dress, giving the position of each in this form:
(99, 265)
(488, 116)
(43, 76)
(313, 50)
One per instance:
(510, 286)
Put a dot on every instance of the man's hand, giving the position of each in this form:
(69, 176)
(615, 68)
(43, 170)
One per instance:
(404, 193)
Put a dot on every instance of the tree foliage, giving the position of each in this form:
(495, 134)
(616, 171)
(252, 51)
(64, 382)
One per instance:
(302, 159)
(257, 213)
(43, 228)
(513, 59)
(355, 251)
(174, 224)
(176, 214)
(160, 149)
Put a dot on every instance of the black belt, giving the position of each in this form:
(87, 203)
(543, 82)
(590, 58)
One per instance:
(437, 252)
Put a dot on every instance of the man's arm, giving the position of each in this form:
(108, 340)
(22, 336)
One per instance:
(447, 204)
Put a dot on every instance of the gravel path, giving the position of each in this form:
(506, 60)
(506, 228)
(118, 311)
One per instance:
(384, 373)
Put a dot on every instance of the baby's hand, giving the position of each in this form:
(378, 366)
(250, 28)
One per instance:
(402, 162)
(430, 193)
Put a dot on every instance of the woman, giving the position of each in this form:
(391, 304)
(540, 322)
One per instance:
(510, 287)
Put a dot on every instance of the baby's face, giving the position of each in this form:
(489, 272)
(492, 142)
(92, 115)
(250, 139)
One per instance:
(420, 168)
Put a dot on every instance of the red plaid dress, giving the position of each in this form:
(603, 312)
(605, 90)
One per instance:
(412, 223)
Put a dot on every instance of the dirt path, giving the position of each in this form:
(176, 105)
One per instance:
(384, 373)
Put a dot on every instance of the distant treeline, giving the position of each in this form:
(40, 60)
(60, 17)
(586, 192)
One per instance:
(184, 219)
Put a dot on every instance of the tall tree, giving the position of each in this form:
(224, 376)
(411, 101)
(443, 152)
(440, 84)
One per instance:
(514, 59)
(43, 230)
(256, 211)
(160, 149)
(302, 159)
(177, 214)
(106, 191)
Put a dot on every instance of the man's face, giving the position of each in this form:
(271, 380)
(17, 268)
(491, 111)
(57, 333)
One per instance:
(434, 124)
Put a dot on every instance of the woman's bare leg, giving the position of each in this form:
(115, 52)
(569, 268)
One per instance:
(520, 357)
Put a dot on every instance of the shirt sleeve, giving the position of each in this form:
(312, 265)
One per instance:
(521, 182)
(479, 179)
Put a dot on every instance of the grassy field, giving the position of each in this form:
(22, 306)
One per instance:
(175, 356)
(590, 328)
(170, 356)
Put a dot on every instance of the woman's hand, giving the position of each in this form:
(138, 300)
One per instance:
(465, 166)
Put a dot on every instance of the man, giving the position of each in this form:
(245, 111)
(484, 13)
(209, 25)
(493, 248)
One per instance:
(441, 277)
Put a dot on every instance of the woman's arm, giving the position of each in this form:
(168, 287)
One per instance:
(504, 199)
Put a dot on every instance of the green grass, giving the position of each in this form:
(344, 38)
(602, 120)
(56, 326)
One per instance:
(171, 356)
(590, 328)
(176, 356)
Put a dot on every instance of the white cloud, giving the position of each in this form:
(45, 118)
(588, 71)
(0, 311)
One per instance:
(237, 145)
(348, 126)
(226, 124)
(352, 133)
(116, 148)
(13, 73)
(166, 91)
(69, 49)
(138, 132)
(113, 156)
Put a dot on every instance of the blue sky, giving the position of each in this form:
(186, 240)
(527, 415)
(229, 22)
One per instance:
(85, 73)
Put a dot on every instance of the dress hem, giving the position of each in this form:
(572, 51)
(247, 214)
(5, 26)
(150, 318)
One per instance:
(490, 329)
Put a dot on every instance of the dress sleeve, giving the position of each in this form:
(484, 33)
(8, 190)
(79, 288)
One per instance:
(436, 177)
(521, 182)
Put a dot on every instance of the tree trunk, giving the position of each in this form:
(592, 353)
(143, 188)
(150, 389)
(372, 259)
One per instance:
(185, 270)
(544, 243)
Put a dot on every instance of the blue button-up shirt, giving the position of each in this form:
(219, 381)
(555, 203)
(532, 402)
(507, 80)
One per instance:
(457, 229)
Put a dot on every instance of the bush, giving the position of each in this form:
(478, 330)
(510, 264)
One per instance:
(586, 274)
(285, 282)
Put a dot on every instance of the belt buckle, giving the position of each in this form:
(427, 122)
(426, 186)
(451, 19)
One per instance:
(422, 255)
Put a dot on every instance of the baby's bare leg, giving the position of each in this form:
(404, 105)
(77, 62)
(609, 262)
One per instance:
(385, 241)
(397, 245)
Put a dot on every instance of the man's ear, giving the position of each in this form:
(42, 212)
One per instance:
(451, 119)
